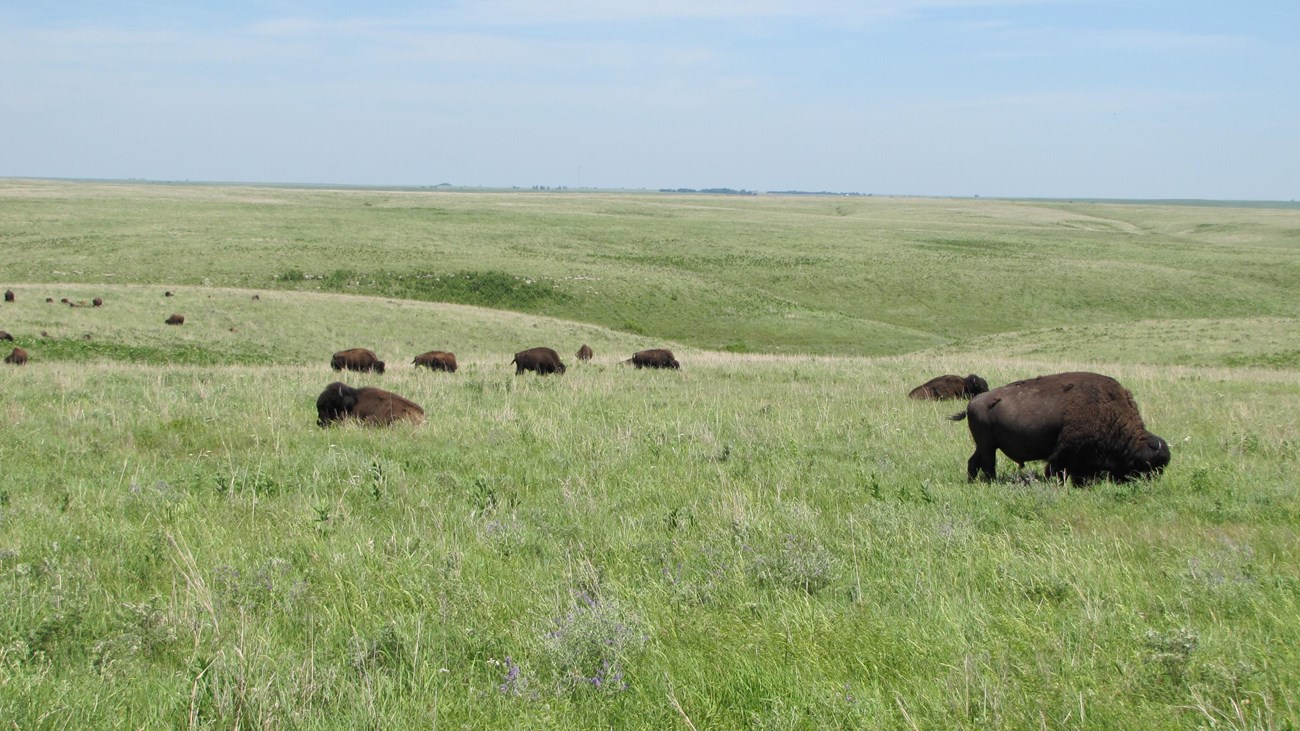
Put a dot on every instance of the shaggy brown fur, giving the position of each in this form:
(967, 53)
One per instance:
(542, 361)
(175, 320)
(370, 406)
(654, 358)
(584, 353)
(1085, 425)
(357, 359)
(17, 357)
(436, 360)
(942, 388)
(9, 295)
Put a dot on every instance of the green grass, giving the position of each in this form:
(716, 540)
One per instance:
(758, 540)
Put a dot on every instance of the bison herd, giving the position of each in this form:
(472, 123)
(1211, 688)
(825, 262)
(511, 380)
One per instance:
(1086, 426)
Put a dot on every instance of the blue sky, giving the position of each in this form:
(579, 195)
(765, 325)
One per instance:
(1053, 98)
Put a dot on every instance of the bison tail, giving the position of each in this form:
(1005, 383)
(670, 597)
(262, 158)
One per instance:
(959, 416)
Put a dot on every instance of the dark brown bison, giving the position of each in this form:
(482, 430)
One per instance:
(584, 353)
(9, 295)
(168, 293)
(175, 319)
(5, 336)
(17, 357)
(436, 360)
(49, 299)
(543, 361)
(654, 358)
(369, 405)
(1085, 425)
(942, 388)
(97, 302)
(357, 359)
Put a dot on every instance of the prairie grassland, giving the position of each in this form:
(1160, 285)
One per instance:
(758, 540)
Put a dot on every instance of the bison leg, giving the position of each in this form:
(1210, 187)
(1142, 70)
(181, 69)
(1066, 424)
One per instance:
(982, 462)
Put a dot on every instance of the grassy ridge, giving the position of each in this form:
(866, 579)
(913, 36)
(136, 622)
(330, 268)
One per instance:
(821, 275)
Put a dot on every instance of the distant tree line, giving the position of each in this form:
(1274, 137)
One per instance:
(714, 191)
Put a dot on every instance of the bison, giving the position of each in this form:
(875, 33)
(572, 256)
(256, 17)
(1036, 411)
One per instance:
(97, 302)
(436, 360)
(17, 357)
(1085, 425)
(942, 388)
(543, 361)
(654, 358)
(584, 353)
(175, 319)
(9, 295)
(357, 359)
(370, 406)
(6, 336)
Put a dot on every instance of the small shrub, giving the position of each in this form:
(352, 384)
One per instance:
(797, 563)
(592, 644)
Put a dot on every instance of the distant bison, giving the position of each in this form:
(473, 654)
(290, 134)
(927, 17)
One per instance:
(370, 406)
(436, 360)
(97, 302)
(584, 353)
(543, 361)
(1085, 425)
(942, 388)
(168, 293)
(9, 295)
(357, 359)
(17, 357)
(5, 336)
(654, 358)
(175, 320)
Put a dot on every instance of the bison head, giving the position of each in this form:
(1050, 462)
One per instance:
(976, 385)
(1152, 455)
(379, 367)
(335, 402)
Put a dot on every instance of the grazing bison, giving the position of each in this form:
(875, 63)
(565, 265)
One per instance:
(654, 358)
(1085, 425)
(17, 357)
(357, 359)
(369, 405)
(97, 302)
(175, 320)
(9, 295)
(437, 360)
(168, 293)
(6, 336)
(543, 361)
(584, 353)
(941, 388)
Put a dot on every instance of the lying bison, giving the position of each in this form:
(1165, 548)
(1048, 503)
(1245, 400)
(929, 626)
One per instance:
(584, 353)
(175, 319)
(357, 359)
(370, 406)
(436, 360)
(654, 358)
(17, 357)
(542, 361)
(942, 388)
(1085, 425)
